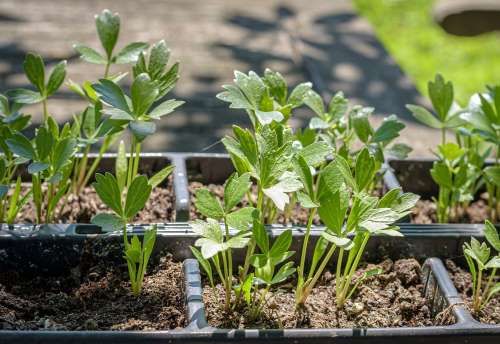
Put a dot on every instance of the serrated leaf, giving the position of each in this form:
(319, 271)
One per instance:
(142, 129)
(130, 52)
(111, 94)
(298, 95)
(165, 108)
(314, 101)
(23, 96)
(361, 124)
(208, 205)
(121, 166)
(37, 167)
(56, 78)
(34, 69)
(144, 92)
(89, 55)
(441, 94)
(160, 176)
(241, 219)
(107, 188)
(137, 196)
(491, 234)
(63, 152)
(108, 222)
(281, 244)
(21, 146)
(234, 190)
(306, 201)
(108, 28)
(365, 170)
(389, 130)
(315, 153)
(425, 116)
(267, 117)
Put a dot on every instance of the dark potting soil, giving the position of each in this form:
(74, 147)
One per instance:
(392, 299)
(81, 208)
(462, 279)
(95, 295)
(425, 212)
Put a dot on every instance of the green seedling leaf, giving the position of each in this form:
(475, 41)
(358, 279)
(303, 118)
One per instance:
(63, 152)
(121, 166)
(235, 189)
(389, 130)
(299, 94)
(130, 53)
(37, 167)
(89, 55)
(315, 153)
(491, 234)
(23, 96)
(137, 196)
(106, 186)
(441, 94)
(34, 68)
(241, 219)
(21, 146)
(314, 101)
(365, 170)
(267, 117)
(144, 92)
(142, 129)
(208, 205)
(111, 94)
(361, 124)
(205, 264)
(108, 28)
(160, 176)
(56, 78)
(425, 116)
(165, 108)
(108, 222)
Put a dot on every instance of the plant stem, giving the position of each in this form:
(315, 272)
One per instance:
(106, 69)
(346, 281)
(477, 292)
(97, 160)
(45, 112)
(312, 283)
(130, 167)
(300, 270)
(443, 136)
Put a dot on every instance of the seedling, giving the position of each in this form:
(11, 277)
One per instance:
(483, 115)
(216, 244)
(126, 202)
(447, 114)
(136, 112)
(460, 170)
(34, 68)
(265, 99)
(108, 29)
(483, 266)
(339, 127)
(455, 177)
(351, 216)
(50, 155)
(11, 121)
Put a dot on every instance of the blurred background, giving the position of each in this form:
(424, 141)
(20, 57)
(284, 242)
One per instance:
(379, 52)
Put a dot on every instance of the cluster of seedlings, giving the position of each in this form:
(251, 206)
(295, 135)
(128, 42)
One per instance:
(332, 171)
(57, 158)
(462, 170)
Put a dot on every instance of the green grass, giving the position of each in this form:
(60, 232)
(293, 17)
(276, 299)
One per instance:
(422, 48)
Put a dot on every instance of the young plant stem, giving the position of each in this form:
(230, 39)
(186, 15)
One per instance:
(106, 69)
(45, 112)
(443, 136)
(477, 292)
(105, 145)
(37, 189)
(300, 270)
(488, 285)
(307, 288)
(352, 266)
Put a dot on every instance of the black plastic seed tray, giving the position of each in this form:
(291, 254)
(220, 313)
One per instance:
(54, 249)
